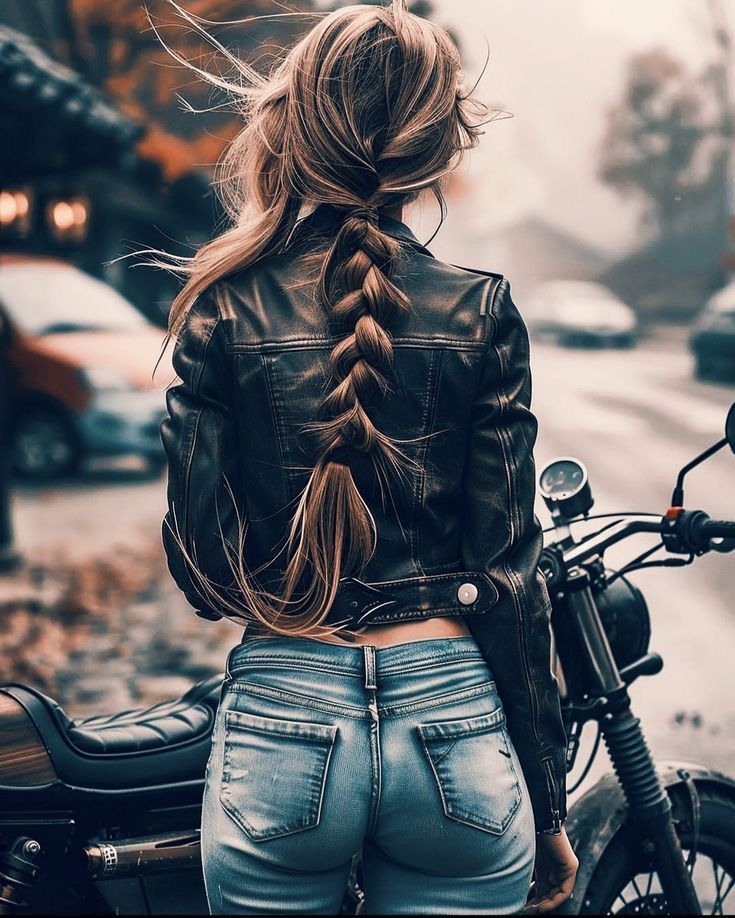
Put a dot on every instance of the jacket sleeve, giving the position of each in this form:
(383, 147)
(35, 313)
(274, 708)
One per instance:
(200, 440)
(499, 490)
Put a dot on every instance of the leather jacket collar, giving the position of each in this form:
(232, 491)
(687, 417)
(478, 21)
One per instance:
(323, 218)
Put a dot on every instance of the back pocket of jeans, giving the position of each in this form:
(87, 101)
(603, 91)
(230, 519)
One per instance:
(473, 766)
(274, 773)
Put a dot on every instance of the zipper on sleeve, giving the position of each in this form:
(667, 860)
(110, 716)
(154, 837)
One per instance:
(555, 812)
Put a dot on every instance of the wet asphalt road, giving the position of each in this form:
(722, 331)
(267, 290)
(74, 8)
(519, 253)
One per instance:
(634, 417)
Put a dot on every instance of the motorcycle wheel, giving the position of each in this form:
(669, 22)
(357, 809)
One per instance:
(625, 883)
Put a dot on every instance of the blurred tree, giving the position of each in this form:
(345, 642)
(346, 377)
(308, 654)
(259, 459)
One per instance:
(717, 81)
(662, 142)
(115, 48)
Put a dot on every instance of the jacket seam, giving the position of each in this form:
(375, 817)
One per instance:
(489, 330)
(285, 344)
(512, 518)
(489, 321)
(192, 447)
(428, 423)
(452, 575)
(270, 384)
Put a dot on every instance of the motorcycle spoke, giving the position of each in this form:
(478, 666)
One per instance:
(632, 899)
(637, 888)
(719, 895)
(649, 884)
(718, 884)
(622, 899)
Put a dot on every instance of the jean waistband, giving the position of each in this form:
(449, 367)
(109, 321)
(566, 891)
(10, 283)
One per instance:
(354, 660)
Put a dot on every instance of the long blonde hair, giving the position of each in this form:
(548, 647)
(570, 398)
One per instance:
(364, 113)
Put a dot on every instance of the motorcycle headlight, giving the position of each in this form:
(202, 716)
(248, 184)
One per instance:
(625, 618)
(106, 379)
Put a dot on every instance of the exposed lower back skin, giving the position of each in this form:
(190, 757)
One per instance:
(387, 635)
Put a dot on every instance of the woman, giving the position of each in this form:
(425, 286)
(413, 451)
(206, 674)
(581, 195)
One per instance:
(351, 477)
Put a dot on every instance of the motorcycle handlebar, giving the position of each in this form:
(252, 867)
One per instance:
(692, 531)
(717, 529)
(597, 544)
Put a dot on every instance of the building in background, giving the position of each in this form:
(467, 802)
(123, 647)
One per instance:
(100, 158)
(557, 254)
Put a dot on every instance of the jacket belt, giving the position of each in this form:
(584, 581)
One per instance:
(390, 601)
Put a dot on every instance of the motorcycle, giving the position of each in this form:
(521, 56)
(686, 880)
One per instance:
(654, 838)
(102, 815)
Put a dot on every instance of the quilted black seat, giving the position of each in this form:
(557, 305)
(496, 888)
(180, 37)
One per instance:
(160, 745)
(166, 724)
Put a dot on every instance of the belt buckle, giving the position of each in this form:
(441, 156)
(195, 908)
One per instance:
(360, 620)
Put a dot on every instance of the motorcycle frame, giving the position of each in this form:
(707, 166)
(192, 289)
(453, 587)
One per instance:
(646, 800)
(106, 835)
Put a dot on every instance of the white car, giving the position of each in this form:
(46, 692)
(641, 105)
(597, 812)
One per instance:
(581, 314)
(713, 337)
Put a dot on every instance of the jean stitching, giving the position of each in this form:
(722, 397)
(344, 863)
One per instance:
(297, 700)
(376, 767)
(471, 819)
(459, 814)
(449, 748)
(473, 725)
(309, 665)
(315, 733)
(293, 662)
(410, 707)
(430, 663)
(311, 818)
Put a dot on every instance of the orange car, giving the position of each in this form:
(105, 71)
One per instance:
(81, 361)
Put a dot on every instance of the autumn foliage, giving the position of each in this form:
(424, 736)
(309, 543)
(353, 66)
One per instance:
(115, 46)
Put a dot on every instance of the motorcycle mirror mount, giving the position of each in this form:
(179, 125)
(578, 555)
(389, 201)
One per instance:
(677, 497)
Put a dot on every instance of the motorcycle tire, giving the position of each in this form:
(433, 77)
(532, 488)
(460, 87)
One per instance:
(624, 881)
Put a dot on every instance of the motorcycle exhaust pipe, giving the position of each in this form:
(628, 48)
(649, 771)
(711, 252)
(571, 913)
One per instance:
(142, 856)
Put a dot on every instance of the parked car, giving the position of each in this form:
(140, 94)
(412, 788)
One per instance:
(581, 314)
(712, 340)
(81, 361)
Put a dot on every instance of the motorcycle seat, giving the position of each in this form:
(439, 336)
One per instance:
(165, 743)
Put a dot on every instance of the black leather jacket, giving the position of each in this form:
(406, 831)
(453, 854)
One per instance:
(252, 359)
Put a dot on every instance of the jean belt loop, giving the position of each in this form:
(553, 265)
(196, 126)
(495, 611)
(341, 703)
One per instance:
(368, 651)
(228, 672)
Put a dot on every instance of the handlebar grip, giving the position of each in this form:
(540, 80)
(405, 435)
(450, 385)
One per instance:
(718, 529)
(693, 531)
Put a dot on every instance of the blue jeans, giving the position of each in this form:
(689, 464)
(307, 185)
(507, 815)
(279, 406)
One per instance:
(321, 751)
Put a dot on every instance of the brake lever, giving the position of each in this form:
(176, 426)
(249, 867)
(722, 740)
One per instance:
(722, 545)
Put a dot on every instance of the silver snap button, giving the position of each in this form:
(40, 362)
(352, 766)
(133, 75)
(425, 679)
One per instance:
(467, 594)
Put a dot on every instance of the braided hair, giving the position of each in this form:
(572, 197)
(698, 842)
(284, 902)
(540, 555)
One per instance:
(364, 114)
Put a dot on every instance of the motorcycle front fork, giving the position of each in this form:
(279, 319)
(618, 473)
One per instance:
(648, 802)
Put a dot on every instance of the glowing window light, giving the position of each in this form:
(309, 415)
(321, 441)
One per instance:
(68, 219)
(15, 208)
(62, 215)
(8, 209)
